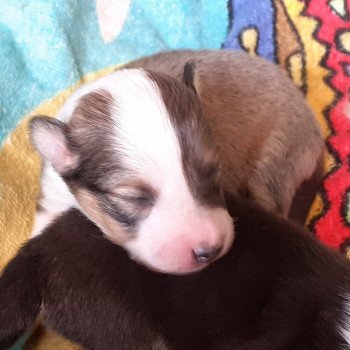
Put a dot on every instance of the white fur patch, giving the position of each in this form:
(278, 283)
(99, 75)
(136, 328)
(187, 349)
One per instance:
(344, 326)
(149, 142)
(56, 198)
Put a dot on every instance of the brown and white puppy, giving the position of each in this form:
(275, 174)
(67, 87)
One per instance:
(277, 288)
(138, 166)
(136, 151)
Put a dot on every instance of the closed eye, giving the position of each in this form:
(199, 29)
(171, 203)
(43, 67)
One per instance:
(127, 209)
(126, 204)
(142, 197)
(141, 200)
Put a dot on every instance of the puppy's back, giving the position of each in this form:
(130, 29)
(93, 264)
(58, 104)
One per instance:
(269, 141)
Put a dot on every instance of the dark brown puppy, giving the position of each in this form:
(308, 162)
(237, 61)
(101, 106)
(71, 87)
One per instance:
(277, 288)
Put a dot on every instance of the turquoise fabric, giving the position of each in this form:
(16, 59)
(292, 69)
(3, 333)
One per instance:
(47, 45)
(20, 344)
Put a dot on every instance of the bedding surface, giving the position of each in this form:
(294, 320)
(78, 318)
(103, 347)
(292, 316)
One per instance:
(49, 47)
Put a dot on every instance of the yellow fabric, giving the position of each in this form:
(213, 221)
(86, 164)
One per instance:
(42, 339)
(319, 95)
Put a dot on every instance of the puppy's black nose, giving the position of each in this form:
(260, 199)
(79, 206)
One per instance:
(206, 254)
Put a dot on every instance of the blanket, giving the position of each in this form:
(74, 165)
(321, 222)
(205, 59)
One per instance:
(49, 47)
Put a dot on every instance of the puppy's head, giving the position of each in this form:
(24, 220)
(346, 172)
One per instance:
(138, 157)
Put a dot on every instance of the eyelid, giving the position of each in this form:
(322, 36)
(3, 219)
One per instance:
(132, 193)
(125, 191)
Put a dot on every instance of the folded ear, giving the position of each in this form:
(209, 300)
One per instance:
(51, 139)
(188, 76)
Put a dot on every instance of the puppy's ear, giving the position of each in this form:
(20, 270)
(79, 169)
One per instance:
(51, 139)
(188, 76)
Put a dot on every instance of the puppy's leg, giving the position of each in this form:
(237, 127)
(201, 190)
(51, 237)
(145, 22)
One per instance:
(20, 296)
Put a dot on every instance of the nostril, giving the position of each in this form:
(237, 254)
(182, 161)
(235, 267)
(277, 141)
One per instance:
(206, 254)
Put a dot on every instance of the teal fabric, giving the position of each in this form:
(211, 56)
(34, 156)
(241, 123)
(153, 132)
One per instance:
(20, 344)
(47, 45)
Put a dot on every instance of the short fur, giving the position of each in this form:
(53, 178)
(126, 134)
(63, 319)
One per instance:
(152, 146)
(269, 141)
(277, 288)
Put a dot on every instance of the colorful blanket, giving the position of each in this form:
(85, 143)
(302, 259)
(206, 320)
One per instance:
(49, 47)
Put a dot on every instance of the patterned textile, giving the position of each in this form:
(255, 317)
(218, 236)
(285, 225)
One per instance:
(311, 40)
(49, 47)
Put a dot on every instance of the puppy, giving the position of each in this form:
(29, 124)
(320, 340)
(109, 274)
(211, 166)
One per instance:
(276, 288)
(139, 152)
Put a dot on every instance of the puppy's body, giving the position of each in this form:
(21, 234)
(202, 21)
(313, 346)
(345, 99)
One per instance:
(277, 288)
(141, 151)
(269, 141)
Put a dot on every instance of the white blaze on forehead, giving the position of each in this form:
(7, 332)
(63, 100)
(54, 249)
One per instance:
(145, 136)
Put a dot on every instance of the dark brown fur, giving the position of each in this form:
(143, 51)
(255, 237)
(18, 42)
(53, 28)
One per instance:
(277, 288)
(91, 130)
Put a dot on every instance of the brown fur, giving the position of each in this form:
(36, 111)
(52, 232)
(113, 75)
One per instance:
(268, 139)
(95, 212)
(90, 129)
(245, 108)
(276, 289)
